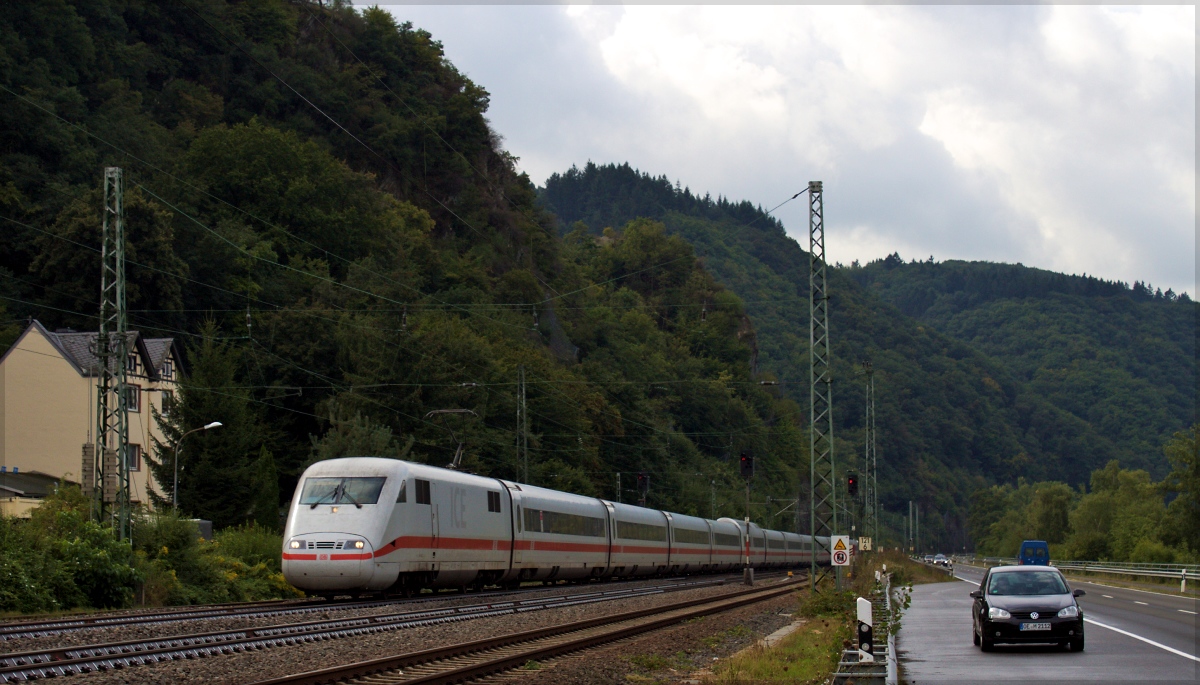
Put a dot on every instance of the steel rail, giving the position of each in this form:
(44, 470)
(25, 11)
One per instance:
(543, 643)
(144, 611)
(22, 666)
(30, 629)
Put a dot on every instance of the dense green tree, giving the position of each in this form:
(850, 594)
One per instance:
(218, 473)
(1183, 513)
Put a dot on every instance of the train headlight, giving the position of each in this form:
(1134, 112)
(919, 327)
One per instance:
(294, 544)
(358, 544)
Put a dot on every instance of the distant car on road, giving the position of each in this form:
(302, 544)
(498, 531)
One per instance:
(941, 560)
(1026, 604)
(928, 559)
(1034, 553)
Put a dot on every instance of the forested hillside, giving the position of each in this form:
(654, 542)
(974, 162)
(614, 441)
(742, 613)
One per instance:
(1120, 357)
(952, 414)
(318, 210)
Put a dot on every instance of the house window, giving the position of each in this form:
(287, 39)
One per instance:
(133, 457)
(422, 491)
(133, 398)
(168, 369)
(493, 501)
(131, 363)
(168, 402)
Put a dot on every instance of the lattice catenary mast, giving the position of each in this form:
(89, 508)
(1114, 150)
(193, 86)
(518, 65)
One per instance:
(822, 492)
(870, 489)
(110, 454)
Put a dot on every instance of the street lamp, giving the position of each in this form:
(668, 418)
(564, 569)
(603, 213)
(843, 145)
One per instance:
(178, 444)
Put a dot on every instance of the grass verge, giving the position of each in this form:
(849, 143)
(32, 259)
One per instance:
(807, 655)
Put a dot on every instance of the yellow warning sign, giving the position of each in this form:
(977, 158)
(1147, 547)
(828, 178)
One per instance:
(839, 545)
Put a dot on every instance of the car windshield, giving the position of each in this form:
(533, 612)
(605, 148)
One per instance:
(359, 490)
(1027, 583)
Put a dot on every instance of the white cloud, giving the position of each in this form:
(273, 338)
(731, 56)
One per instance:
(1058, 136)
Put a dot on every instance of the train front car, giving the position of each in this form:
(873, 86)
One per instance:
(336, 522)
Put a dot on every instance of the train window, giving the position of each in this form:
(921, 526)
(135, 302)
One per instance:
(691, 537)
(360, 490)
(518, 518)
(775, 544)
(641, 531)
(539, 521)
(727, 540)
(403, 496)
(422, 491)
(756, 542)
(493, 501)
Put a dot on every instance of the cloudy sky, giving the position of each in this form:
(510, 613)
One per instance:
(1062, 137)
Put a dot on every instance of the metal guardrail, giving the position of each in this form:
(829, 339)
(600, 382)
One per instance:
(1180, 572)
(1130, 567)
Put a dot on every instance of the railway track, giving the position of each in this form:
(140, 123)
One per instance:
(22, 666)
(60, 626)
(276, 607)
(482, 658)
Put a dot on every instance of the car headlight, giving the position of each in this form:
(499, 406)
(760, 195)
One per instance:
(358, 544)
(996, 612)
(1069, 612)
(294, 544)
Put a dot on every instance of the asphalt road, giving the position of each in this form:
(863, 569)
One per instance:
(1132, 637)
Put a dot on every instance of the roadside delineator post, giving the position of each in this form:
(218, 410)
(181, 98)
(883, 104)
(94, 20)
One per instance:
(866, 631)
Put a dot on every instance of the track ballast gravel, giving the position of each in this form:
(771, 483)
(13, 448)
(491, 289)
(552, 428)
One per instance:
(246, 667)
(150, 631)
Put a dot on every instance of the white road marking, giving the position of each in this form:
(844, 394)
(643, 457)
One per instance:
(1107, 596)
(1189, 598)
(1142, 603)
(1185, 611)
(1143, 639)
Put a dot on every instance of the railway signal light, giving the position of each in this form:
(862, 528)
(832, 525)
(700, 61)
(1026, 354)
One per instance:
(643, 484)
(747, 465)
(852, 484)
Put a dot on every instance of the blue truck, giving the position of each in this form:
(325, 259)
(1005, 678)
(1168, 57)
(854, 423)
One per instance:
(1034, 553)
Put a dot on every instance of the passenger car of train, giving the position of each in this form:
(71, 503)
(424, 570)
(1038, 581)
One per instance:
(367, 524)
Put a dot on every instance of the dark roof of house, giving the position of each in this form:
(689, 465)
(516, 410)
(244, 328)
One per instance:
(27, 484)
(158, 349)
(78, 348)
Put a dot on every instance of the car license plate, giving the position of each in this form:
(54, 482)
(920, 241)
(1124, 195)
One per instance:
(1035, 626)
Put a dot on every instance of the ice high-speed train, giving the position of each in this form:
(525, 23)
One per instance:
(366, 524)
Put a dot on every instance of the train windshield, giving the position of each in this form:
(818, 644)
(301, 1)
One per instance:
(357, 490)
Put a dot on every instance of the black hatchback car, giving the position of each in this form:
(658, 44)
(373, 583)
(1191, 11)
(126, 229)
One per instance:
(1026, 604)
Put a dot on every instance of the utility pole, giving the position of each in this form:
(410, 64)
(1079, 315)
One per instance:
(111, 453)
(911, 549)
(523, 427)
(822, 480)
(870, 491)
(747, 572)
(746, 464)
